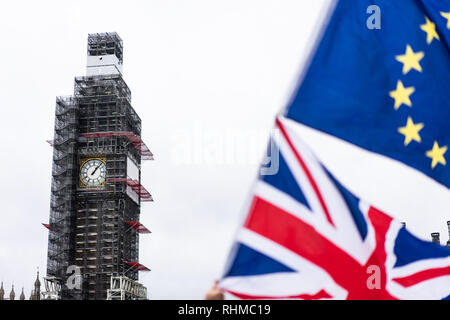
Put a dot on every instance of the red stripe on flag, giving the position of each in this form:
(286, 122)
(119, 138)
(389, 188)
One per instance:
(322, 294)
(287, 230)
(306, 170)
(280, 226)
(422, 276)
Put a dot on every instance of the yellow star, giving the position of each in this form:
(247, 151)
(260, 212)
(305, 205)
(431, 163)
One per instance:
(446, 15)
(411, 131)
(401, 95)
(437, 155)
(410, 60)
(430, 28)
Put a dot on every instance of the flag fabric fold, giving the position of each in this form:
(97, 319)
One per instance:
(306, 237)
(383, 87)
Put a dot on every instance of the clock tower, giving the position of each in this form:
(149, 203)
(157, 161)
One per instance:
(96, 191)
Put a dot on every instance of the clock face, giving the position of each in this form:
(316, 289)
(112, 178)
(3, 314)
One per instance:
(93, 172)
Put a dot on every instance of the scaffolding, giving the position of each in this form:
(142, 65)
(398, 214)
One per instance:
(100, 44)
(137, 266)
(52, 290)
(137, 142)
(63, 188)
(139, 227)
(89, 227)
(123, 288)
(135, 186)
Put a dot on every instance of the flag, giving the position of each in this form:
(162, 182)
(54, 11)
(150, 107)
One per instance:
(306, 237)
(383, 86)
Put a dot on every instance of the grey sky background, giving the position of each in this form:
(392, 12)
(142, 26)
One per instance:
(207, 78)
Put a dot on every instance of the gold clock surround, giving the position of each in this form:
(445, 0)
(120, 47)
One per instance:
(83, 161)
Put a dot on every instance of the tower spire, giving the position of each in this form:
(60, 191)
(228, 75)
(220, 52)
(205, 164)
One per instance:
(37, 287)
(2, 292)
(37, 283)
(12, 295)
(448, 226)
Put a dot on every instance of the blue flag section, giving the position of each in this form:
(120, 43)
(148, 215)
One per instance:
(380, 79)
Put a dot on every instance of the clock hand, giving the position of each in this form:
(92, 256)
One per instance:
(95, 170)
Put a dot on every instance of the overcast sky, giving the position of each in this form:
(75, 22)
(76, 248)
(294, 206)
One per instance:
(207, 78)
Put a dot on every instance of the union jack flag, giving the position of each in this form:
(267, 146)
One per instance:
(306, 237)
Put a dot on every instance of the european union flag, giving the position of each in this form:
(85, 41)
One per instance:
(384, 85)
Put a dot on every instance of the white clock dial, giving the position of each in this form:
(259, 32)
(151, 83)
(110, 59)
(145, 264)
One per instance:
(93, 172)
